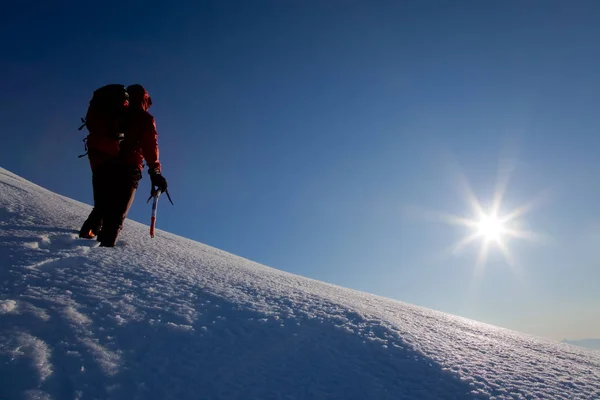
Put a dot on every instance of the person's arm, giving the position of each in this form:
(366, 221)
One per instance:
(149, 144)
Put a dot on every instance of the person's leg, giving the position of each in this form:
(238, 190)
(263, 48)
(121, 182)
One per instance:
(91, 226)
(93, 223)
(122, 191)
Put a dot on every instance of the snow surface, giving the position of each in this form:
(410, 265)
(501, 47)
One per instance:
(170, 318)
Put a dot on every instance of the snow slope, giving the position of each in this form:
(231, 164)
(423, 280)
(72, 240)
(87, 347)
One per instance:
(170, 318)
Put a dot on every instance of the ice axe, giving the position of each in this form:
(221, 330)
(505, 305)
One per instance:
(155, 194)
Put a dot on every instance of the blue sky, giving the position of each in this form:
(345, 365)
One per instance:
(314, 136)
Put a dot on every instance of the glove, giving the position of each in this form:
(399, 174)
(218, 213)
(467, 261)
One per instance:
(158, 181)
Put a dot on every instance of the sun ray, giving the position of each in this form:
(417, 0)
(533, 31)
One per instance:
(481, 260)
(506, 253)
(525, 208)
(465, 241)
(510, 260)
(467, 192)
(430, 215)
(456, 220)
(527, 235)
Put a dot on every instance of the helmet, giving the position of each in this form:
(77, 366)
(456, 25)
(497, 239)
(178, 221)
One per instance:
(139, 97)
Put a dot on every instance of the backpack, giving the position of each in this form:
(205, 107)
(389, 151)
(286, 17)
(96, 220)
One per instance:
(105, 120)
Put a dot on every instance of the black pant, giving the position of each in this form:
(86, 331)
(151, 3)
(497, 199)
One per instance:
(114, 185)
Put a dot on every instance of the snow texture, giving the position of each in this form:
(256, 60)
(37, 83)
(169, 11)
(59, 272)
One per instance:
(170, 318)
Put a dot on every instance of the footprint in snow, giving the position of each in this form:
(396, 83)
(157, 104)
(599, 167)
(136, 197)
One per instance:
(58, 249)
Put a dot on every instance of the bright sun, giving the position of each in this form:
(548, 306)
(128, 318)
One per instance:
(491, 228)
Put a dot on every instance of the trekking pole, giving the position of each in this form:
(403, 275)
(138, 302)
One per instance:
(155, 195)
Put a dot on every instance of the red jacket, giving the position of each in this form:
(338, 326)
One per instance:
(141, 143)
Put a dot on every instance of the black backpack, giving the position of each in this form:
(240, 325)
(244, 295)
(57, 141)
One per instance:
(106, 119)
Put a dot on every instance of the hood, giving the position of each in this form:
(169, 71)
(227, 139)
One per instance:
(139, 97)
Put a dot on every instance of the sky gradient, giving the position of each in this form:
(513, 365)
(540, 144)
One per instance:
(321, 137)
